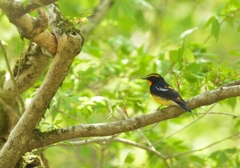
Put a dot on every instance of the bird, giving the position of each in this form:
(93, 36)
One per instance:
(163, 93)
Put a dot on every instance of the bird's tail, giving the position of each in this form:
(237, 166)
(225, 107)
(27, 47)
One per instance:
(183, 106)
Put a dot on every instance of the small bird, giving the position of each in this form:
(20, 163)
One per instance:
(163, 93)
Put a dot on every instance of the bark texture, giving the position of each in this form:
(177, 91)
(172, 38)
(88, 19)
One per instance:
(69, 44)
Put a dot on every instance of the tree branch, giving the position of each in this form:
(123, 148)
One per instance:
(105, 140)
(106, 129)
(15, 87)
(34, 61)
(132, 143)
(31, 68)
(222, 113)
(29, 27)
(208, 146)
(15, 9)
(69, 45)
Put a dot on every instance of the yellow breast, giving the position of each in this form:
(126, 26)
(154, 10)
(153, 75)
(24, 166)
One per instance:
(163, 101)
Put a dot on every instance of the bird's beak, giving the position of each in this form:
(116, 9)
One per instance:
(145, 78)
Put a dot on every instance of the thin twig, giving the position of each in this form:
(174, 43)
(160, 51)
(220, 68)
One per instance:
(151, 146)
(154, 125)
(70, 116)
(145, 138)
(105, 140)
(200, 149)
(183, 127)
(178, 130)
(44, 160)
(12, 77)
(122, 113)
(20, 59)
(132, 143)
(102, 157)
(222, 113)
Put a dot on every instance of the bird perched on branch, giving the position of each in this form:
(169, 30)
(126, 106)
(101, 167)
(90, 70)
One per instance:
(163, 93)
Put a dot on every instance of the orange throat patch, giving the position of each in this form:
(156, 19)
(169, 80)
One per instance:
(149, 82)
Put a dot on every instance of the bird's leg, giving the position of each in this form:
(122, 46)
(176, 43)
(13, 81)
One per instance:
(159, 107)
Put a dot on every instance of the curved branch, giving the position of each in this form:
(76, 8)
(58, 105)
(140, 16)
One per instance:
(208, 146)
(183, 128)
(35, 60)
(31, 68)
(222, 113)
(132, 143)
(69, 45)
(105, 140)
(106, 129)
(12, 78)
(29, 27)
(15, 9)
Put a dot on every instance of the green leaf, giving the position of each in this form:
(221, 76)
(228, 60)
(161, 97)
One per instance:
(178, 142)
(179, 63)
(57, 122)
(215, 154)
(215, 28)
(209, 22)
(238, 28)
(173, 55)
(220, 8)
(144, 4)
(231, 150)
(223, 157)
(187, 32)
(181, 50)
(194, 67)
(235, 52)
(74, 99)
(237, 160)
(232, 102)
(197, 160)
(189, 55)
(67, 104)
(25, 3)
(128, 8)
(191, 77)
(130, 158)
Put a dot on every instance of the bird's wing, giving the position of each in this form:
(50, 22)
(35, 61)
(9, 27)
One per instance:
(166, 92)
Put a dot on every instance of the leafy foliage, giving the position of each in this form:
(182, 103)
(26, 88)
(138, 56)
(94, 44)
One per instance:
(176, 39)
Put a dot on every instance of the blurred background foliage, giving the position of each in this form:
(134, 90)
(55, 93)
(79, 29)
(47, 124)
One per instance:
(193, 44)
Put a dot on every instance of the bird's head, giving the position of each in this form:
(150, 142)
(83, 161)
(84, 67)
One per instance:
(153, 77)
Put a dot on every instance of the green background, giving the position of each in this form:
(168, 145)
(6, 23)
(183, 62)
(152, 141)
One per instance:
(194, 45)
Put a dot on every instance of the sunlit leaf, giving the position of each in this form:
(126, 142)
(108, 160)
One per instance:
(4, 42)
(144, 4)
(187, 32)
